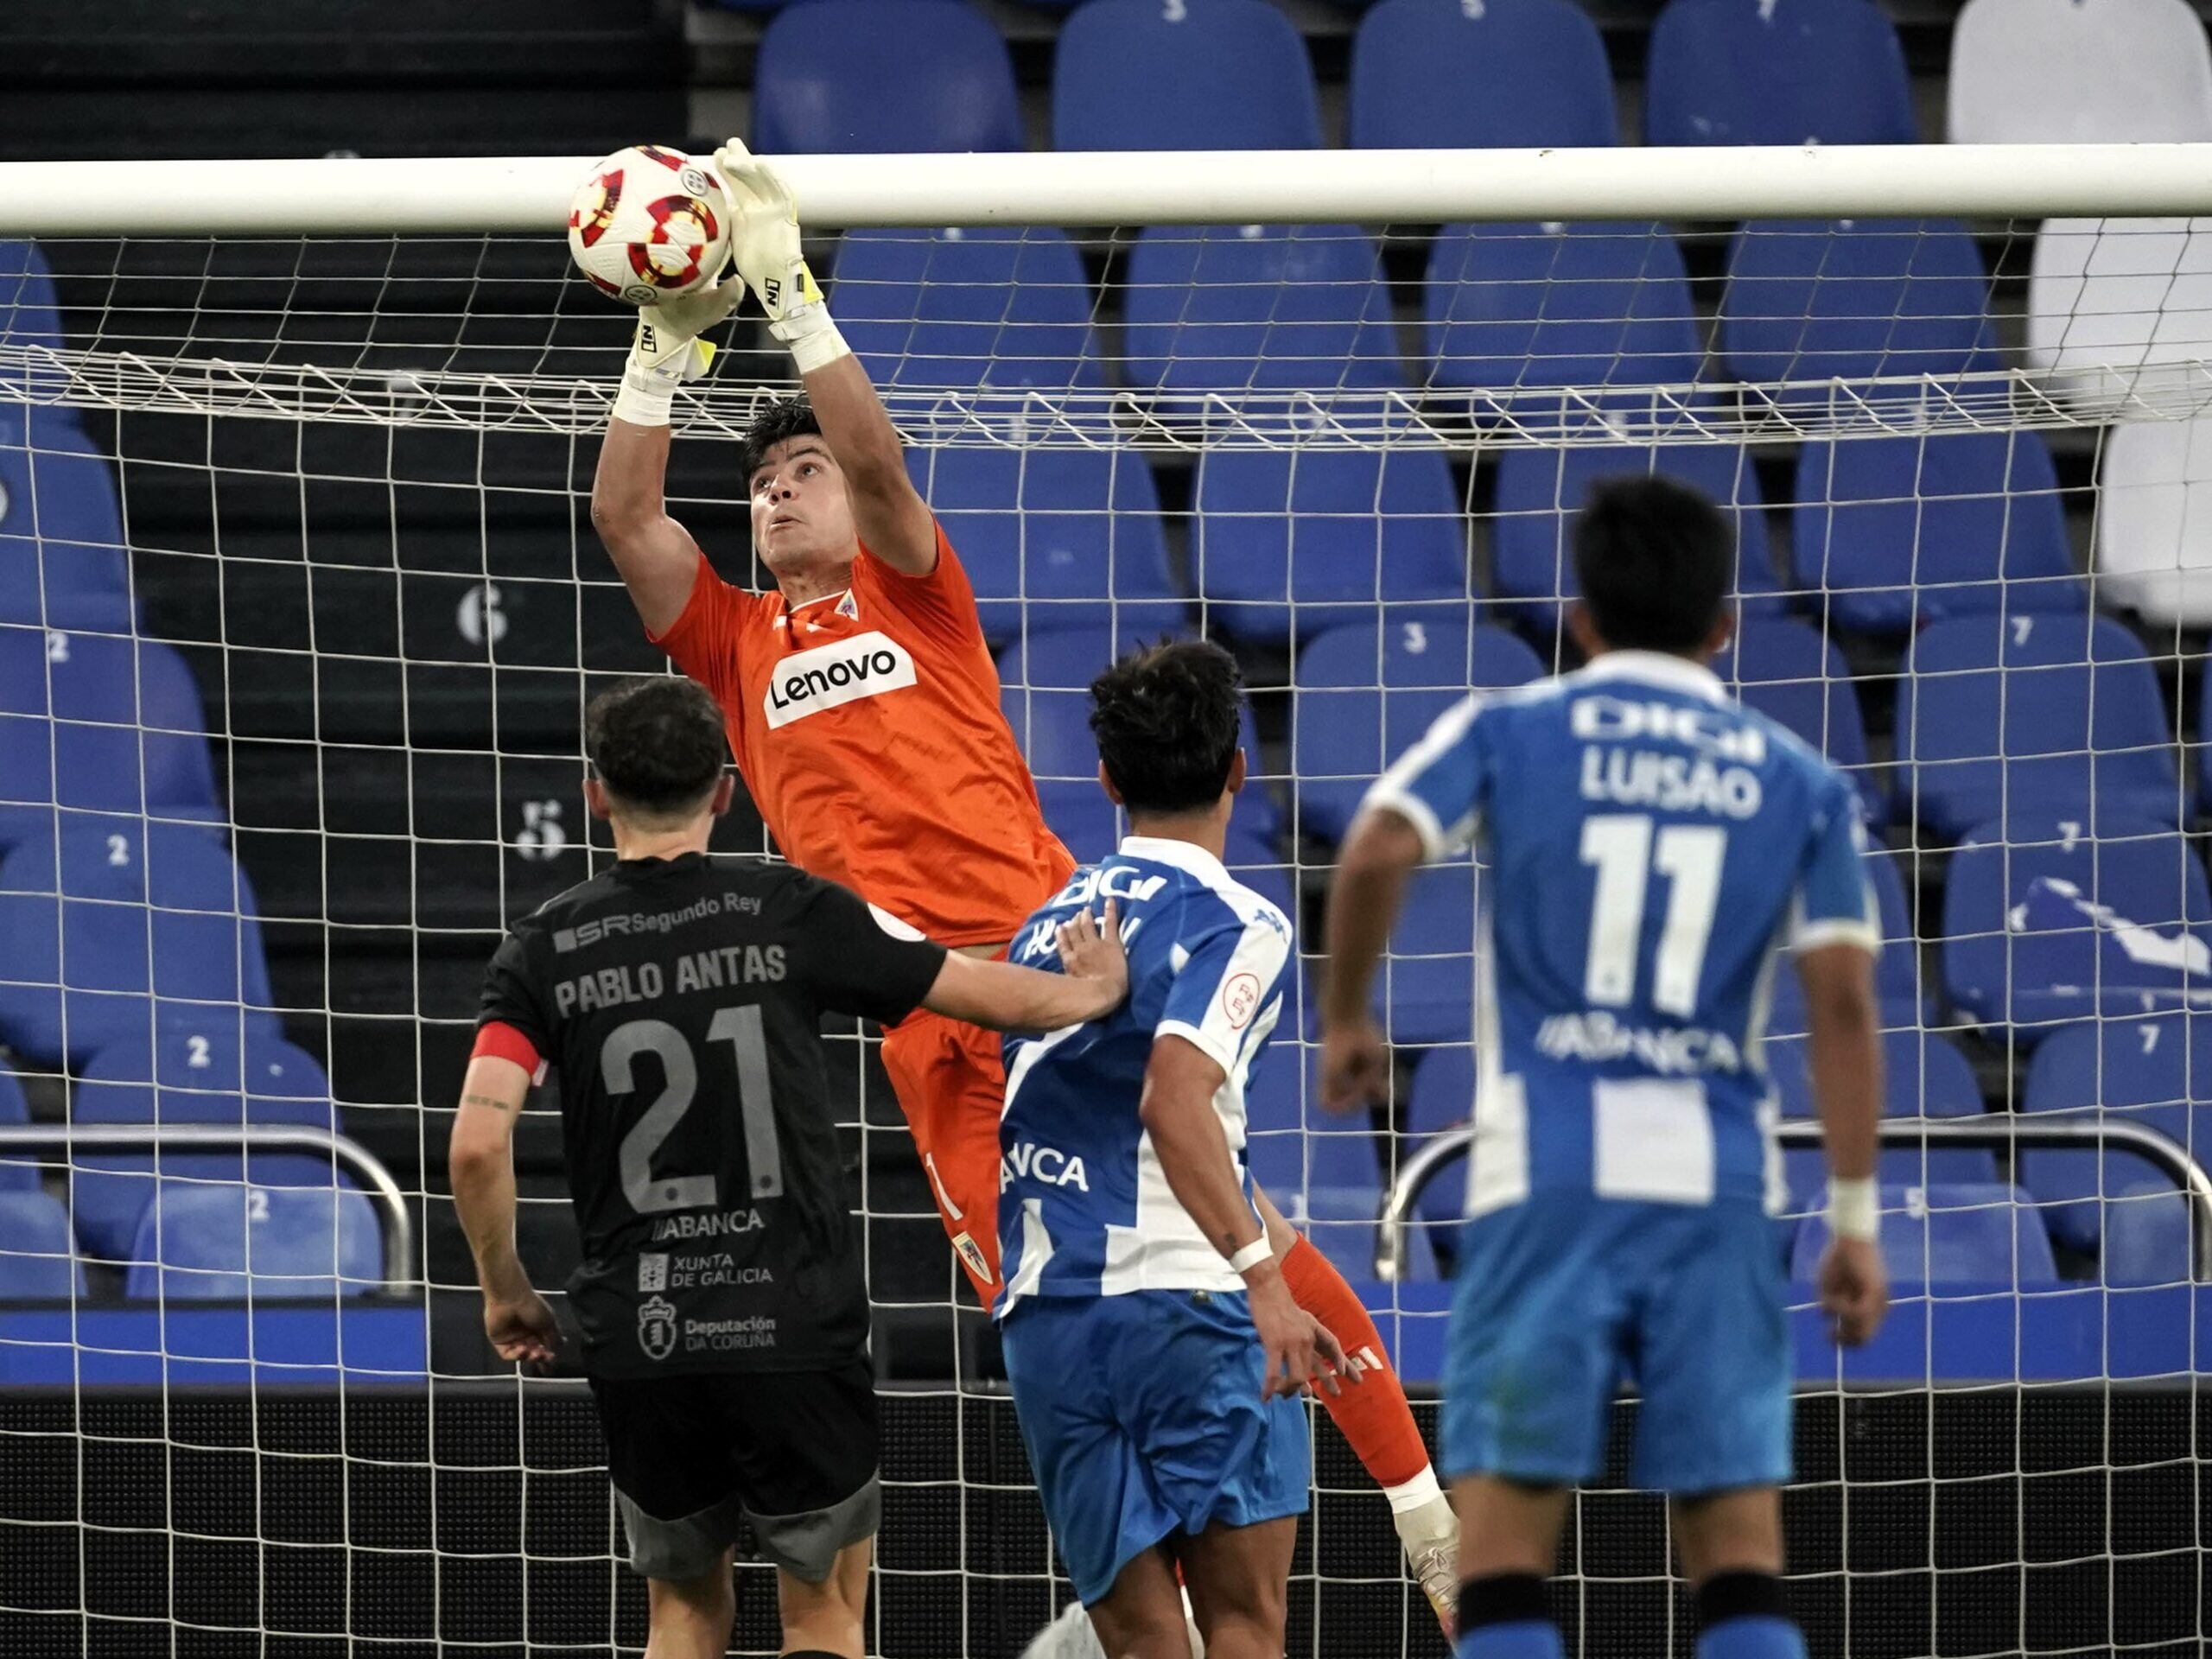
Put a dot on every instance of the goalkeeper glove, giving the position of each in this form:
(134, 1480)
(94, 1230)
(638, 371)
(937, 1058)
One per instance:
(667, 350)
(765, 247)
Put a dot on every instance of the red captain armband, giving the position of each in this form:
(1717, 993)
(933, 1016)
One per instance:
(498, 1040)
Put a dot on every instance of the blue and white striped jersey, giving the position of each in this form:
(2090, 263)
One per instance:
(1651, 844)
(1085, 1208)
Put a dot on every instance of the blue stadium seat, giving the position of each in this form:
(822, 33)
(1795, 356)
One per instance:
(31, 311)
(61, 526)
(1851, 299)
(1903, 1000)
(153, 923)
(1903, 531)
(1270, 308)
(1077, 811)
(1320, 1171)
(1363, 695)
(1776, 71)
(1425, 992)
(1200, 74)
(1291, 542)
(1055, 537)
(225, 1243)
(995, 306)
(182, 1076)
(1506, 74)
(2050, 716)
(2059, 925)
(100, 723)
(1539, 491)
(1528, 307)
(1788, 672)
(2147, 1237)
(20, 1174)
(2149, 1069)
(37, 1261)
(1045, 683)
(1950, 1235)
(862, 77)
(1442, 1097)
(1923, 1075)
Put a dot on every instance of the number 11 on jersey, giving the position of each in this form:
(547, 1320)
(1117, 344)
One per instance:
(1625, 851)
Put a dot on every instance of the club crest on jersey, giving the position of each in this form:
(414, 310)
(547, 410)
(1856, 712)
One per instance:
(828, 677)
(657, 1327)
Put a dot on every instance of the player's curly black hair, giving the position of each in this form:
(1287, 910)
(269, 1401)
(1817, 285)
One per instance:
(1653, 559)
(787, 417)
(657, 744)
(1166, 719)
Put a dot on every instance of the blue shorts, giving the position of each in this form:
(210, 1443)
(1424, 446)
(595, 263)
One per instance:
(1143, 1418)
(1564, 1297)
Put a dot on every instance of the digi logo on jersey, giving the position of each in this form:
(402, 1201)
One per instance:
(831, 675)
(657, 1327)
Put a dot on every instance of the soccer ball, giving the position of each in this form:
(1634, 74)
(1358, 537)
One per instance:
(650, 225)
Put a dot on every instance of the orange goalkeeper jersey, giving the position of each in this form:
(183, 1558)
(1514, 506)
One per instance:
(868, 729)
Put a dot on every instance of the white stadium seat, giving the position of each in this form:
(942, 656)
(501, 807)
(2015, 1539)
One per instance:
(2154, 521)
(2029, 72)
(2117, 307)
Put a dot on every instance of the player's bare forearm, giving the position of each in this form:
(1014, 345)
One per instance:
(1378, 854)
(655, 555)
(998, 997)
(1844, 1050)
(1180, 1081)
(890, 515)
(479, 1161)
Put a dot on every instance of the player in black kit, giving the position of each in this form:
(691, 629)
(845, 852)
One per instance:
(723, 1310)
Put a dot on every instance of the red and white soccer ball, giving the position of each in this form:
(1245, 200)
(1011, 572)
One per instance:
(650, 225)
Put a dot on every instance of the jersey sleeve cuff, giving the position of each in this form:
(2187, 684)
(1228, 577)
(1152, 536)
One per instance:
(1812, 936)
(1205, 1041)
(496, 1039)
(1414, 810)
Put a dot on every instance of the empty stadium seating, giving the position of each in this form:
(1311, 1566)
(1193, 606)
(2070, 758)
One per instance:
(1923, 1075)
(1227, 74)
(1425, 991)
(1895, 532)
(1444, 74)
(2154, 521)
(1850, 300)
(224, 1242)
(36, 1262)
(1364, 693)
(2119, 308)
(1320, 1171)
(1297, 541)
(2049, 72)
(1274, 308)
(61, 526)
(1950, 1234)
(2147, 1237)
(2044, 923)
(19, 1174)
(1776, 71)
(867, 76)
(2047, 716)
(216, 1077)
(1539, 491)
(132, 925)
(1521, 308)
(1903, 1001)
(2152, 1069)
(1049, 536)
(1789, 673)
(994, 306)
(30, 313)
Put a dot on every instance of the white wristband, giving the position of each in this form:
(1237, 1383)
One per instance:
(1854, 1210)
(646, 399)
(811, 333)
(1251, 1255)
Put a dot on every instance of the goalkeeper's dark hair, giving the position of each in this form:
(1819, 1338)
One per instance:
(1653, 559)
(656, 745)
(785, 418)
(1166, 719)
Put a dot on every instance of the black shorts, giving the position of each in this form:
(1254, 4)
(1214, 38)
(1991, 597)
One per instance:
(695, 1459)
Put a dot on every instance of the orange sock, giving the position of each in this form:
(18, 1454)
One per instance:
(1372, 1414)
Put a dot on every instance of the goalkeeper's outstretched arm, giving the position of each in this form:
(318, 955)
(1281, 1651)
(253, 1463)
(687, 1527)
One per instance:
(892, 521)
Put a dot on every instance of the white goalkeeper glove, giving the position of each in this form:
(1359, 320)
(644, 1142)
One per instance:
(667, 350)
(765, 248)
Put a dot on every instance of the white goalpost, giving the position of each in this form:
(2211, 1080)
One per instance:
(300, 607)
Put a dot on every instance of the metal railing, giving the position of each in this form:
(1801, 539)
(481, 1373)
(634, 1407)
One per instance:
(2057, 1131)
(383, 1191)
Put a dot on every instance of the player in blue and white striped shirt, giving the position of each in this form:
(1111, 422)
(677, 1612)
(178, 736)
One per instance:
(1155, 1352)
(1649, 847)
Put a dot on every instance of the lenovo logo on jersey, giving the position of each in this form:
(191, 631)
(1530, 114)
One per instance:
(828, 677)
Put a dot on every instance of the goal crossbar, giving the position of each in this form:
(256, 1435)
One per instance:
(507, 194)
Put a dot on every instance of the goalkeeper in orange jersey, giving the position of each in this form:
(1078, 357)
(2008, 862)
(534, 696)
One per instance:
(862, 705)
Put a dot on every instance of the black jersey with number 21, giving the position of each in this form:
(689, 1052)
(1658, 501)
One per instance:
(680, 1003)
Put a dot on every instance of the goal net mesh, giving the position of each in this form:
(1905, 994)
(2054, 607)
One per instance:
(300, 607)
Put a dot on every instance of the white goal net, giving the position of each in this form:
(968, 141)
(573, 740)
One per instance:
(300, 607)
